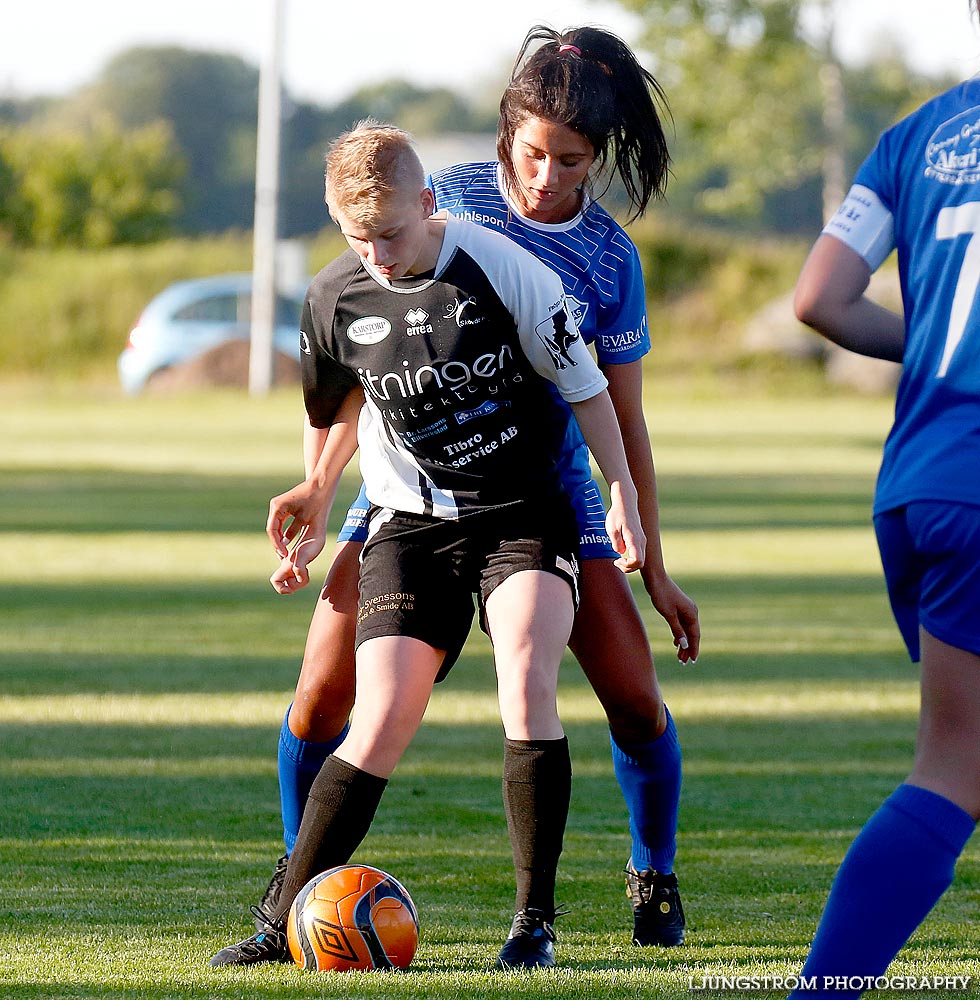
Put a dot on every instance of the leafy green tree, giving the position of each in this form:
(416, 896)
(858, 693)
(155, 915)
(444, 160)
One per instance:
(744, 95)
(209, 102)
(89, 188)
(13, 210)
(768, 125)
(421, 110)
(307, 130)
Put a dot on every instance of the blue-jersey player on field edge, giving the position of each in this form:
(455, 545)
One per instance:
(918, 193)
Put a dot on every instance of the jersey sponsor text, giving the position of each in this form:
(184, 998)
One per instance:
(447, 375)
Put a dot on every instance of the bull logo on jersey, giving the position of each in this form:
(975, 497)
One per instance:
(953, 150)
(558, 335)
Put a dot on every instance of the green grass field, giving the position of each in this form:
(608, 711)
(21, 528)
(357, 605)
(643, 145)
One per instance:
(145, 665)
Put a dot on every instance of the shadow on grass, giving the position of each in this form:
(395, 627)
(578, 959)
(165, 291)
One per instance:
(69, 781)
(94, 674)
(110, 500)
(714, 502)
(431, 982)
(159, 833)
(174, 637)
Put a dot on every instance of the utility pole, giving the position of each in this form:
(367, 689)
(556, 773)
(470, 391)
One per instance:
(261, 351)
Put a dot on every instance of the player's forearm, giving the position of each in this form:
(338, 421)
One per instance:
(863, 327)
(314, 438)
(644, 476)
(626, 393)
(654, 570)
(597, 421)
(324, 479)
(327, 450)
(830, 298)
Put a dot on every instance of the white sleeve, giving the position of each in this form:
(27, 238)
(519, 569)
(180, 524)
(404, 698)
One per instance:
(865, 225)
(558, 353)
(535, 298)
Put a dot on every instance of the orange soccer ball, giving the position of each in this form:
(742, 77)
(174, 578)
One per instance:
(353, 917)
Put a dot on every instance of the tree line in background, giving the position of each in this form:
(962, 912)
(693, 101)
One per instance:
(163, 142)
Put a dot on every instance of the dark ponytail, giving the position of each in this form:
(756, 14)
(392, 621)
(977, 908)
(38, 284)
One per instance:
(588, 80)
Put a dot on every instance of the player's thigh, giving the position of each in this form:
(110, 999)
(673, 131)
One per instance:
(610, 643)
(947, 759)
(930, 553)
(530, 618)
(411, 585)
(395, 675)
(528, 592)
(325, 689)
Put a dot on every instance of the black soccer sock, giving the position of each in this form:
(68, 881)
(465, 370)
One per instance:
(537, 789)
(338, 815)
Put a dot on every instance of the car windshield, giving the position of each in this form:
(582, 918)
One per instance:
(213, 309)
(235, 309)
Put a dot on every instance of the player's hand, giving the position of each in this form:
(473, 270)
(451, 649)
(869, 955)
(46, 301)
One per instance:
(301, 510)
(293, 572)
(630, 553)
(680, 613)
(625, 533)
(297, 528)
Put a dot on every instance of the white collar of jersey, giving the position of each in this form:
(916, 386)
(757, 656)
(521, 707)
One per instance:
(548, 227)
(397, 289)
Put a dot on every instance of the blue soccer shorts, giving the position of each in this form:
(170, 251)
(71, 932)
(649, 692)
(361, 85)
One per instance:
(930, 552)
(590, 513)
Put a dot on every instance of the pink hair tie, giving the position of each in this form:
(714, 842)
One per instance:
(570, 48)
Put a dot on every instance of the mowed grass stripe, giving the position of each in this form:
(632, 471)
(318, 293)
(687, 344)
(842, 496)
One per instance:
(145, 665)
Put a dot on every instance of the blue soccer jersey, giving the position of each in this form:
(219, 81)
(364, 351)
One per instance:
(597, 262)
(595, 259)
(919, 193)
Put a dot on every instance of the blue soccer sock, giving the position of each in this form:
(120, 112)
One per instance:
(892, 876)
(299, 764)
(649, 775)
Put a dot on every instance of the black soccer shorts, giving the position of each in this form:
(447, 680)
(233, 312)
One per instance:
(419, 573)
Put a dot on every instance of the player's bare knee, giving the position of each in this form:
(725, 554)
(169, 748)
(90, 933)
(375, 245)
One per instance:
(319, 717)
(641, 721)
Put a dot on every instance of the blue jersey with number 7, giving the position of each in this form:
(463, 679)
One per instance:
(919, 193)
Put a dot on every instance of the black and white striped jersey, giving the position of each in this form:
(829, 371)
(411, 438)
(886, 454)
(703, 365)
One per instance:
(458, 369)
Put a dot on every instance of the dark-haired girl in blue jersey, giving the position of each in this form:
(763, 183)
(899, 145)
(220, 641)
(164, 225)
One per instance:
(577, 102)
(919, 194)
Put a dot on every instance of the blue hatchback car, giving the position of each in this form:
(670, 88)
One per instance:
(191, 317)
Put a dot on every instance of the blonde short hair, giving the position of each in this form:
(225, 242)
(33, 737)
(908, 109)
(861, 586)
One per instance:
(367, 166)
